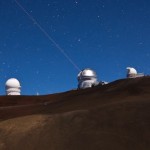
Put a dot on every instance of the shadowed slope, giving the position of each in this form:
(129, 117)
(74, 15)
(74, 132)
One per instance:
(114, 116)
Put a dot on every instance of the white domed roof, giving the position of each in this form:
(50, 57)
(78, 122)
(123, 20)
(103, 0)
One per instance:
(87, 78)
(87, 72)
(12, 83)
(131, 70)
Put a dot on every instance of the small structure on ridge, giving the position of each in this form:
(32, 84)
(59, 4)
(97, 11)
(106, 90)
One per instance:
(13, 87)
(132, 73)
(87, 78)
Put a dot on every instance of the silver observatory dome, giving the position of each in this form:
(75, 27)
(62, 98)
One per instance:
(86, 73)
(12, 87)
(87, 78)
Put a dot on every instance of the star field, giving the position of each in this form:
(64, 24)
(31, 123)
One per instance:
(104, 35)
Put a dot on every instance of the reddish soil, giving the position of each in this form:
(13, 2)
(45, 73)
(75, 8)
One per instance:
(110, 117)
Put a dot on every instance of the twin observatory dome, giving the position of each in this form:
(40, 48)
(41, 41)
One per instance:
(87, 78)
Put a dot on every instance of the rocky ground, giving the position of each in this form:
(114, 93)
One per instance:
(110, 117)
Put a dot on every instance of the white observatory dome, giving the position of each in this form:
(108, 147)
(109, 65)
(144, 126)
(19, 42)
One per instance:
(13, 87)
(86, 73)
(131, 72)
(87, 78)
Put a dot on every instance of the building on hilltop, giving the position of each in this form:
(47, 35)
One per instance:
(132, 73)
(87, 78)
(13, 87)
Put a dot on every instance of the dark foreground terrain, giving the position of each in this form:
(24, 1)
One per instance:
(110, 117)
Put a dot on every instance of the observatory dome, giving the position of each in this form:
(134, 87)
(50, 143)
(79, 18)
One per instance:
(131, 70)
(12, 87)
(13, 83)
(132, 73)
(87, 78)
(86, 73)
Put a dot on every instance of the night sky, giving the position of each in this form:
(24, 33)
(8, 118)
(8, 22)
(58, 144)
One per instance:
(104, 35)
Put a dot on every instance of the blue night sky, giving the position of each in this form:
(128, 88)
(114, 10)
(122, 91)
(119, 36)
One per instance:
(104, 35)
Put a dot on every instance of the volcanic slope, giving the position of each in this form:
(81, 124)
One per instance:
(110, 117)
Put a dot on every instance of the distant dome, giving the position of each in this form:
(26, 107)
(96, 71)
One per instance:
(131, 70)
(12, 87)
(87, 78)
(13, 83)
(87, 73)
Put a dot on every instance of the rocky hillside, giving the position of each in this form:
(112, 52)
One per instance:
(110, 117)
